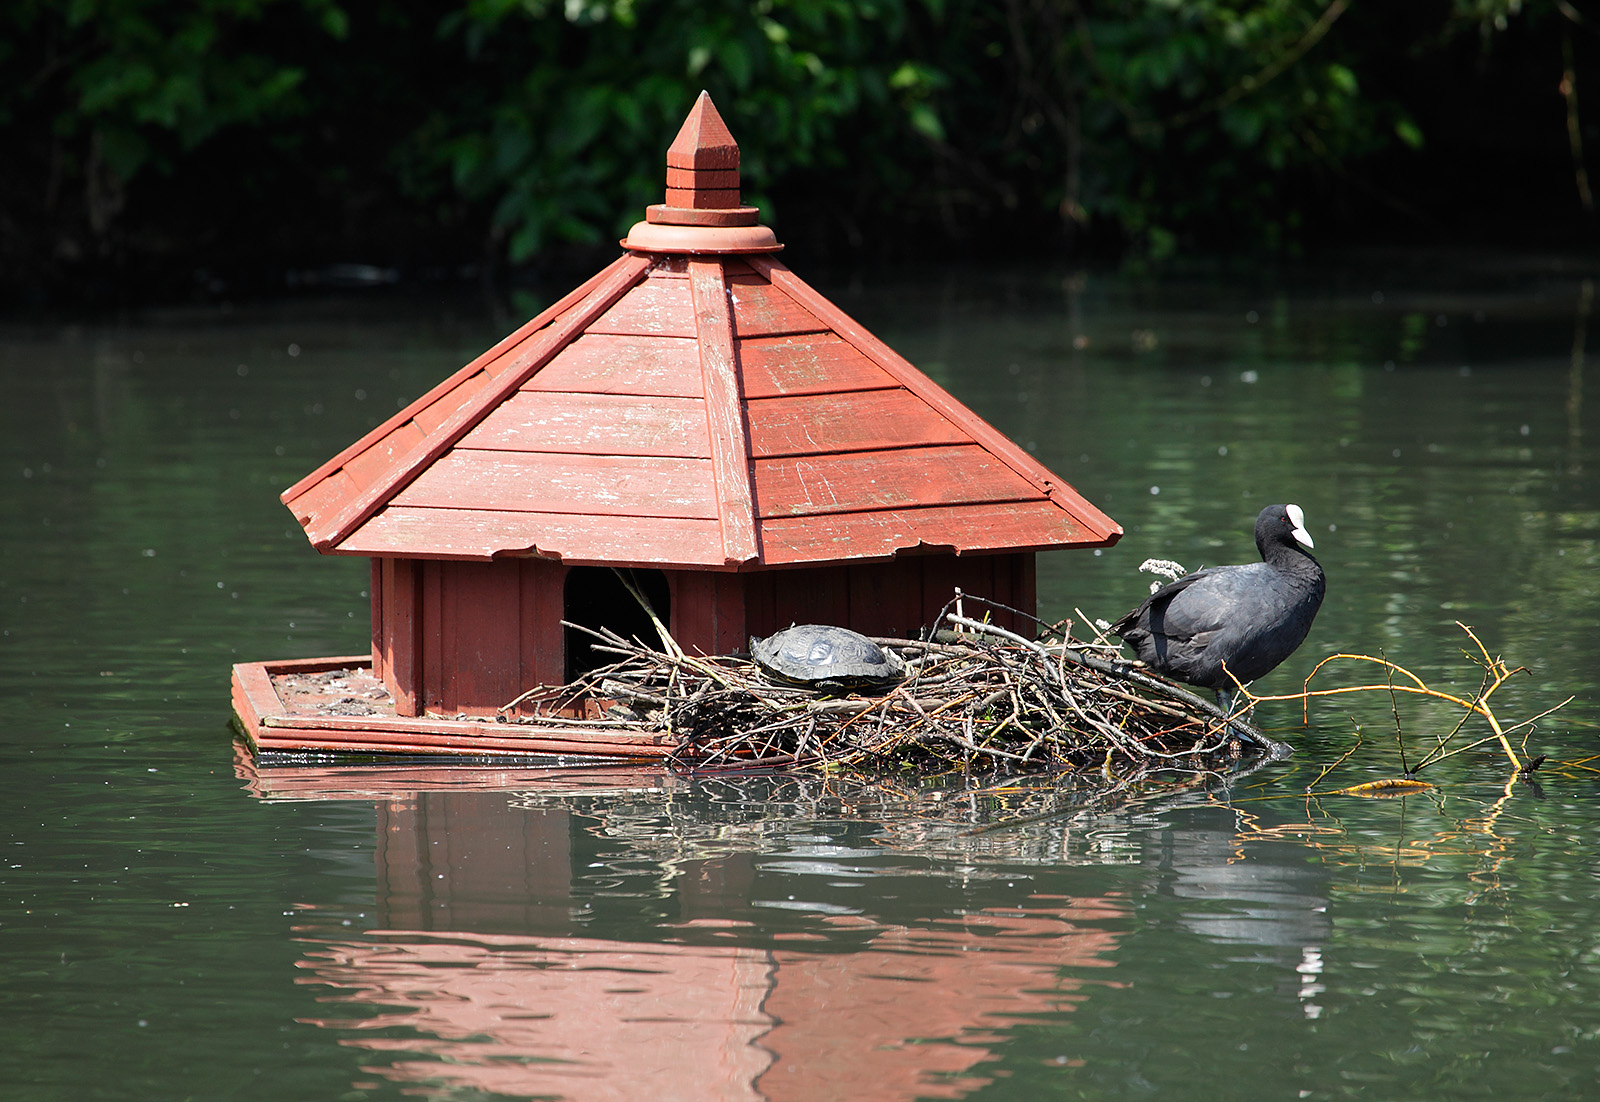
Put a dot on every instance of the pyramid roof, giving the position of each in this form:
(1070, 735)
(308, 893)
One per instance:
(694, 404)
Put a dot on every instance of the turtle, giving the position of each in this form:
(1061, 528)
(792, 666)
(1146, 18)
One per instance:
(821, 656)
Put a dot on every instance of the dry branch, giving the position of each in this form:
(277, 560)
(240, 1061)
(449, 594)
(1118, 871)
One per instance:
(981, 700)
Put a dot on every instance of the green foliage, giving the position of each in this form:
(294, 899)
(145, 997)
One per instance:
(586, 95)
(1160, 124)
(1154, 117)
(123, 87)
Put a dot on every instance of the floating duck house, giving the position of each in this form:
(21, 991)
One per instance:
(696, 414)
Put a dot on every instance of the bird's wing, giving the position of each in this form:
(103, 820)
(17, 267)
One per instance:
(1158, 599)
(1197, 606)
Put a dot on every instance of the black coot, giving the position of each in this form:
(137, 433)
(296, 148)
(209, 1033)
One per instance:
(1251, 617)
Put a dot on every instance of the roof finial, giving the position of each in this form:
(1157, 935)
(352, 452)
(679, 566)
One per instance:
(703, 162)
(702, 212)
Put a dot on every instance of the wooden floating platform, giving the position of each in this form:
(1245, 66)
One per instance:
(335, 706)
(388, 777)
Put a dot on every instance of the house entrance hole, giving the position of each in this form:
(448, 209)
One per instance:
(595, 597)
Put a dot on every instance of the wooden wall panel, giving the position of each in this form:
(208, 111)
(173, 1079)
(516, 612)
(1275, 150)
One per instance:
(1005, 578)
(543, 656)
(877, 534)
(886, 598)
(658, 306)
(380, 668)
(760, 607)
(592, 485)
(481, 534)
(597, 424)
(709, 610)
(1025, 575)
(940, 576)
(606, 364)
(895, 599)
(810, 485)
(732, 631)
(400, 594)
(430, 643)
(468, 637)
(812, 363)
(761, 310)
(809, 424)
(694, 611)
(481, 632)
(820, 595)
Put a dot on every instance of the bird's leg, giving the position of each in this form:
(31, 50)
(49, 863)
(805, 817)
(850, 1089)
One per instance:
(1225, 699)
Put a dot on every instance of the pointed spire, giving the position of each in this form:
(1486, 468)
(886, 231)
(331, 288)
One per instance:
(702, 206)
(703, 162)
(704, 141)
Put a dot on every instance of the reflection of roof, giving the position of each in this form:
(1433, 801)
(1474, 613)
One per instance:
(693, 404)
(601, 1019)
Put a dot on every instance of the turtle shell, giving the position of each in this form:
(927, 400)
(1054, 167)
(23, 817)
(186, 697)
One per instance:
(823, 656)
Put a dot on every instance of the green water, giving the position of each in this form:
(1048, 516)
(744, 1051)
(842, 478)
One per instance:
(175, 923)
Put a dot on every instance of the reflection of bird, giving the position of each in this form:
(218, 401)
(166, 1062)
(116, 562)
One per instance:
(1250, 617)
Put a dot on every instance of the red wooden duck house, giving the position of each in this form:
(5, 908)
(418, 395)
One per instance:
(694, 412)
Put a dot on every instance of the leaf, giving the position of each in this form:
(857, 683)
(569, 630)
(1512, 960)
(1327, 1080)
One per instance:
(1409, 132)
(735, 61)
(926, 122)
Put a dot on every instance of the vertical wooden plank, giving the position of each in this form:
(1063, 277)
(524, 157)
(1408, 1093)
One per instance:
(544, 659)
(450, 657)
(400, 630)
(392, 614)
(975, 575)
(731, 631)
(429, 637)
(939, 580)
(708, 611)
(1004, 577)
(482, 666)
(694, 611)
(1025, 572)
(730, 443)
(552, 636)
(817, 595)
(380, 668)
(885, 598)
(760, 612)
(910, 595)
(527, 617)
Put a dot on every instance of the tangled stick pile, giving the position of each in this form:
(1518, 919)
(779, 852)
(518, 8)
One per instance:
(978, 700)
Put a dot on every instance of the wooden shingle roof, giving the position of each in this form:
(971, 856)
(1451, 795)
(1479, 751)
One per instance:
(695, 404)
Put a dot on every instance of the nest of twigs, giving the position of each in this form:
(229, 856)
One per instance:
(976, 699)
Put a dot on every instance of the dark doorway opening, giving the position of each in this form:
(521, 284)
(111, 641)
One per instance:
(595, 597)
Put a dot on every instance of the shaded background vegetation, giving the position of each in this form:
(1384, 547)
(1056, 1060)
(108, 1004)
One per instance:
(157, 150)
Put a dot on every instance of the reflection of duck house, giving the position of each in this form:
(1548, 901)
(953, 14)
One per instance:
(694, 412)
